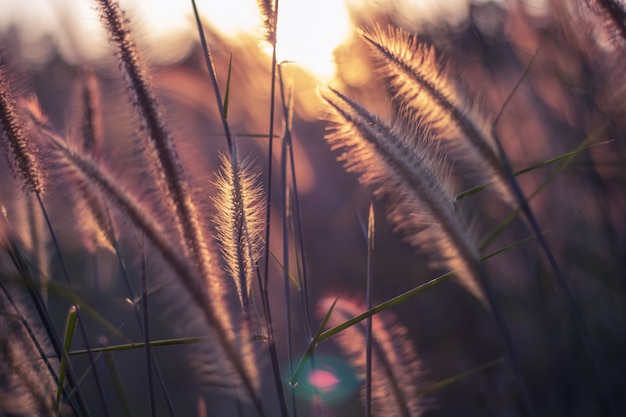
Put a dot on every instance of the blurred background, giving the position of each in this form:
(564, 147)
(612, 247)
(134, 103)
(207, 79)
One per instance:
(566, 65)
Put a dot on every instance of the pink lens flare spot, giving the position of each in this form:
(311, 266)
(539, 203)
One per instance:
(323, 380)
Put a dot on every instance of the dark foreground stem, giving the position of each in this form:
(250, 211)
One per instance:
(562, 281)
(83, 332)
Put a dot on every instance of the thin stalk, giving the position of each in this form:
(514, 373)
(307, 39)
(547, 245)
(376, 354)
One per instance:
(272, 347)
(297, 211)
(30, 384)
(142, 345)
(368, 306)
(70, 327)
(506, 335)
(146, 327)
(92, 362)
(270, 150)
(581, 327)
(117, 384)
(82, 330)
(264, 283)
(211, 68)
(47, 323)
(445, 382)
(286, 218)
(132, 296)
(401, 298)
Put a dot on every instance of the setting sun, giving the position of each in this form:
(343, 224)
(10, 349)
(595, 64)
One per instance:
(308, 32)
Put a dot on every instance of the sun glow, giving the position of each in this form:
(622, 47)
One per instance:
(308, 31)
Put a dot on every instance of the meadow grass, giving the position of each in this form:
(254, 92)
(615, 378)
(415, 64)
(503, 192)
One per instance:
(169, 270)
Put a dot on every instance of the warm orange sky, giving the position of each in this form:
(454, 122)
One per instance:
(308, 30)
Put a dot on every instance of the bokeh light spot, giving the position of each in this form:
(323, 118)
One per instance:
(323, 380)
(326, 378)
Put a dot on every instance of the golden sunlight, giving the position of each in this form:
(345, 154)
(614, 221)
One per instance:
(308, 32)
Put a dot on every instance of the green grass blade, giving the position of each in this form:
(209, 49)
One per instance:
(70, 328)
(565, 162)
(509, 247)
(69, 295)
(292, 279)
(316, 339)
(141, 345)
(406, 295)
(562, 157)
(368, 305)
(383, 306)
(118, 385)
(448, 381)
(548, 162)
(208, 58)
(227, 92)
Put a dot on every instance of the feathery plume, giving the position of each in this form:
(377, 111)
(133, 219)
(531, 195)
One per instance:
(268, 14)
(179, 195)
(410, 173)
(239, 220)
(208, 300)
(417, 197)
(170, 171)
(395, 367)
(27, 385)
(17, 141)
(613, 15)
(419, 85)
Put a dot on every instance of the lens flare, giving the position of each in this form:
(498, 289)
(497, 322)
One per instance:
(326, 378)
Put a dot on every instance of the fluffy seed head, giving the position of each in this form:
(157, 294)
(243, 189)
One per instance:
(409, 173)
(421, 87)
(17, 141)
(239, 220)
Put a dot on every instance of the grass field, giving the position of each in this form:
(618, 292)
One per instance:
(437, 231)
